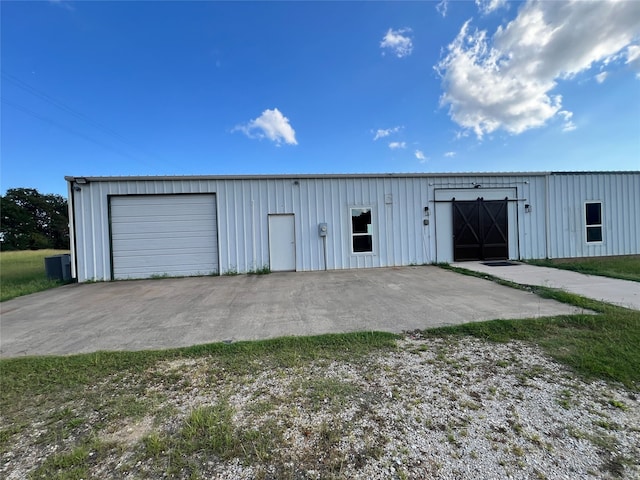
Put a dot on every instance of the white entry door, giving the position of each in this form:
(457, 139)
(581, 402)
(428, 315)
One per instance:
(282, 243)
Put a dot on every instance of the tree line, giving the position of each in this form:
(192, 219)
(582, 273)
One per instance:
(31, 220)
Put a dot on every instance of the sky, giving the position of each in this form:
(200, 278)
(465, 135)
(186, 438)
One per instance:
(117, 88)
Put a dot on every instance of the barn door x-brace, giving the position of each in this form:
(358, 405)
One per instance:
(480, 229)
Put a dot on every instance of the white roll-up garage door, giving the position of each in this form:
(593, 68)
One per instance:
(157, 235)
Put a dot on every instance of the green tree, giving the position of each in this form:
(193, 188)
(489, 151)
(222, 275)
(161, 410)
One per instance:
(31, 220)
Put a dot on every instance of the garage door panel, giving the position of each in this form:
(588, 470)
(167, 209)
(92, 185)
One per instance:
(163, 244)
(149, 211)
(166, 200)
(168, 260)
(159, 242)
(161, 219)
(127, 217)
(171, 235)
(164, 235)
(178, 228)
(166, 253)
(151, 272)
(124, 216)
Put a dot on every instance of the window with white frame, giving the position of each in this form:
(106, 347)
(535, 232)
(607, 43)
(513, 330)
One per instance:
(361, 230)
(593, 221)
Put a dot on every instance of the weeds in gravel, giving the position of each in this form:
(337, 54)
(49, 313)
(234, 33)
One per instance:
(177, 412)
(596, 346)
(75, 463)
(604, 345)
(564, 399)
(31, 376)
(318, 392)
(74, 398)
(154, 445)
(617, 404)
(210, 428)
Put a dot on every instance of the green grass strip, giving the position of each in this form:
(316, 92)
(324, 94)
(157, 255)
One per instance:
(602, 345)
(625, 267)
(27, 376)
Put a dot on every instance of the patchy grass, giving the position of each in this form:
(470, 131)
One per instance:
(43, 376)
(311, 407)
(22, 273)
(79, 405)
(626, 267)
(604, 345)
(181, 412)
(210, 428)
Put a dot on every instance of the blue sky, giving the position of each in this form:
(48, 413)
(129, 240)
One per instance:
(181, 88)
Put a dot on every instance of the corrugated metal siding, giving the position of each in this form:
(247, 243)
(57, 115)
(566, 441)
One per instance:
(400, 238)
(620, 197)
(530, 190)
(243, 206)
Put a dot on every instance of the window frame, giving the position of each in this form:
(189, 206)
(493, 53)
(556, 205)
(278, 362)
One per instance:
(352, 234)
(588, 225)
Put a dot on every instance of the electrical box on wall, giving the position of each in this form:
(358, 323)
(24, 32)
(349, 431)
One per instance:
(322, 229)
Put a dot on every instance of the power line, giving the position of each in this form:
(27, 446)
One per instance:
(57, 103)
(62, 106)
(63, 127)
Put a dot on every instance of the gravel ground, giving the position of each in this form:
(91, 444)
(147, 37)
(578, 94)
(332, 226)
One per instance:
(434, 409)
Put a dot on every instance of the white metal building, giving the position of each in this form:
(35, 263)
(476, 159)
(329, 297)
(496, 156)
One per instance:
(139, 227)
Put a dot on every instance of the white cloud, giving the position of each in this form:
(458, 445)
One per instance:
(272, 125)
(506, 81)
(62, 4)
(396, 145)
(568, 126)
(420, 156)
(633, 58)
(488, 6)
(398, 42)
(601, 77)
(442, 7)
(450, 154)
(381, 133)
(633, 53)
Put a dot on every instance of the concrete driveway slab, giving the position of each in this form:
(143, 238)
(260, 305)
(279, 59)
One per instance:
(156, 314)
(619, 292)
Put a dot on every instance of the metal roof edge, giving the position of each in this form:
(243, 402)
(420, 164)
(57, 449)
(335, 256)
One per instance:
(301, 176)
(596, 172)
